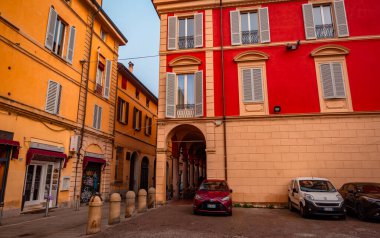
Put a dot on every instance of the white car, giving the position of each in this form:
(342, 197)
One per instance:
(315, 196)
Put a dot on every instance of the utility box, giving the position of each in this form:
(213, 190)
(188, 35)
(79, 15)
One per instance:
(74, 143)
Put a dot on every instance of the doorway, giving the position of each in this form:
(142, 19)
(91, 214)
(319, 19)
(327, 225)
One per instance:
(90, 181)
(144, 179)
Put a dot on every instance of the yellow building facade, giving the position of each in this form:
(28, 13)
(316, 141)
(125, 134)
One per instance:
(57, 102)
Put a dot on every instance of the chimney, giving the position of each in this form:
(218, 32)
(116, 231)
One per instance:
(130, 68)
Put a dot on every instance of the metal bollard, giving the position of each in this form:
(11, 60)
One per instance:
(114, 212)
(151, 197)
(141, 203)
(130, 204)
(94, 215)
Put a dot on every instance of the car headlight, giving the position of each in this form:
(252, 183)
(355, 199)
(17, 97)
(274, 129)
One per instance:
(225, 199)
(197, 197)
(340, 198)
(309, 197)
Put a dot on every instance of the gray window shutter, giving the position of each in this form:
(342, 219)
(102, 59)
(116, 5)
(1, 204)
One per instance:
(337, 73)
(341, 18)
(327, 81)
(257, 77)
(71, 45)
(99, 120)
(58, 99)
(95, 118)
(53, 97)
(308, 20)
(264, 25)
(51, 29)
(170, 95)
(108, 79)
(235, 28)
(199, 94)
(198, 30)
(172, 33)
(247, 85)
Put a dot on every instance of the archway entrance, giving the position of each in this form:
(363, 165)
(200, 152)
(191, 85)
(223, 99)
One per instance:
(187, 162)
(144, 179)
(133, 173)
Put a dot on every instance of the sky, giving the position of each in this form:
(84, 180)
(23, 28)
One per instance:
(139, 22)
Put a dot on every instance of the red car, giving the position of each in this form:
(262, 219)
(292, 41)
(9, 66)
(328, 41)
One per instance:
(213, 196)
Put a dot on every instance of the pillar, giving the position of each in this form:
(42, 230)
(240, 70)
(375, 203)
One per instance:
(175, 179)
(185, 174)
(196, 173)
(191, 174)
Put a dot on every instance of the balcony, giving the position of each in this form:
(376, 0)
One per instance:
(185, 111)
(250, 37)
(185, 42)
(324, 31)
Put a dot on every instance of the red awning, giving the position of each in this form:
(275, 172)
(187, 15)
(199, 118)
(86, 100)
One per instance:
(87, 159)
(14, 144)
(45, 154)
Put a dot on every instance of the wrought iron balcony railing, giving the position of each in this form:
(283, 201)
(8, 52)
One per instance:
(324, 31)
(185, 110)
(250, 37)
(186, 42)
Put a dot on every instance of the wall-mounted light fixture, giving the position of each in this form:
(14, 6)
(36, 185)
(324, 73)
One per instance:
(277, 109)
(293, 46)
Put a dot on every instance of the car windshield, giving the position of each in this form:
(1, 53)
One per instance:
(316, 186)
(214, 186)
(369, 188)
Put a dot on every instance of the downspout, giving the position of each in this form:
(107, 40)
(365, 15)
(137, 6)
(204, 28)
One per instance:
(223, 90)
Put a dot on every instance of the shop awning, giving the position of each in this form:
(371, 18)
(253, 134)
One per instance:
(88, 159)
(15, 146)
(44, 154)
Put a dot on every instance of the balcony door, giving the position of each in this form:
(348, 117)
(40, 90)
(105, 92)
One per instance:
(185, 94)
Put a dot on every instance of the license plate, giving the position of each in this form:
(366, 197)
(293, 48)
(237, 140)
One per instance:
(329, 209)
(211, 206)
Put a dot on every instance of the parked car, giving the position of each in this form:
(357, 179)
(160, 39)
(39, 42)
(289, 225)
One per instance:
(213, 196)
(362, 199)
(315, 196)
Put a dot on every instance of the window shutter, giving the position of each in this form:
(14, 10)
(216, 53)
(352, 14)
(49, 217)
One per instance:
(126, 112)
(71, 45)
(51, 29)
(170, 95)
(341, 18)
(140, 118)
(258, 95)
(327, 81)
(198, 30)
(119, 110)
(340, 91)
(264, 25)
(150, 126)
(98, 81)
(308, 20)
(172, 33)
(108, 79)
(235, 28)
(134, 118)
(58, 99)
(247, 85)
(95, 118)
(199, 94)
(99, 118)
(52, 97)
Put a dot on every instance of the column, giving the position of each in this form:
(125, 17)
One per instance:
(196, 173)
(191, 174)
(185, 174)
(175, 179)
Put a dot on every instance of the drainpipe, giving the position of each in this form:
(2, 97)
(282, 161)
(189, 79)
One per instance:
(223, 90)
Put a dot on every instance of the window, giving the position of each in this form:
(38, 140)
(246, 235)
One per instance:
(53, 97)
(319, 21)
(119, 164)
(147, 103)
(97, 119)
(123, 111)
(332, 80)
(185, 32)
(99, 78)
(252, 83)
(56, 34)
(184, 95)
(148, 125)
(123, 83)
(137, 94)
(103, 76)
(103, 35)
(137, 115)
(250, 27)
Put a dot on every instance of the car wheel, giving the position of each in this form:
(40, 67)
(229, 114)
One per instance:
(361, 213)
(303, 211)
(290, 205)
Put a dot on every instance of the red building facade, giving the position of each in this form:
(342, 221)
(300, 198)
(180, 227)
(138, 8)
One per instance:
(263, 91)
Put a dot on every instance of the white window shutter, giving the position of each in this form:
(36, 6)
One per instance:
(337, 73)
(308, 20)
(53, 97)
(99, 119)
(51, 29)
(341, 18)
(327, 81)
(71, 45)
(170, 95)
(108, 79)
(172, 33)
(95, 118)
(235, 28)
(198, 94)
(264, 25)
(98, 81)
(198, 30)
(257, 77)
(247, 85)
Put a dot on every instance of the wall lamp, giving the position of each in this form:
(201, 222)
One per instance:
(277, 109)
(291, 47)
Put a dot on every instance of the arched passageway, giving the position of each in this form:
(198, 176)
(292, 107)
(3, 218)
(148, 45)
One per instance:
(144, 175)
(133, 173)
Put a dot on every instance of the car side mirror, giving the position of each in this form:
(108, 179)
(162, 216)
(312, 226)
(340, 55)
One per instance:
(295, 190)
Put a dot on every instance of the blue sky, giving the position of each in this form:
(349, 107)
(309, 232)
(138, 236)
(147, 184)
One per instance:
(138, 21)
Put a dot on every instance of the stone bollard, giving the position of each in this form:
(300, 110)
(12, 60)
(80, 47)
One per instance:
(151, 197)
(114, 212)
(130, 204)
(94, 215)
(141, 203)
